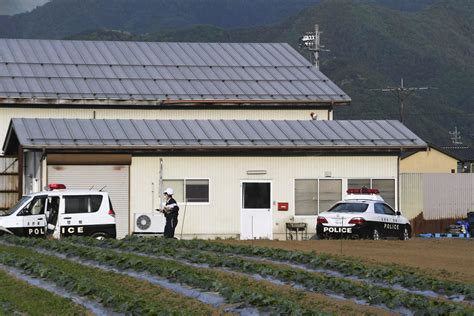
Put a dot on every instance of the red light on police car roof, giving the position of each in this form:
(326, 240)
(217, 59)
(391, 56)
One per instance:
(321, 220)
(357, 221)
(56, 186)
(363, 191)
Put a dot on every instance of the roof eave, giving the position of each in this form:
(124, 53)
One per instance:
(168, 102)
(220, 148)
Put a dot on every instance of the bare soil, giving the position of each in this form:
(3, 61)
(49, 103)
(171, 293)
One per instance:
(451, 259)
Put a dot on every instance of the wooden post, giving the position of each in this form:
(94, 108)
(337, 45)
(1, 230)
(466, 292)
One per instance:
(20, 171)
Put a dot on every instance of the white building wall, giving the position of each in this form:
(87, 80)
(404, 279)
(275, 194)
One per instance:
(6, 114)
(221, 217)
(437, 195)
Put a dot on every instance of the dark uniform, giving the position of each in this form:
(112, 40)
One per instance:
(171, 215)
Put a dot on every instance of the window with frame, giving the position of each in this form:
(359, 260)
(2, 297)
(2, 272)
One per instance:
(189, 190)
(385, 186)
(315, 196)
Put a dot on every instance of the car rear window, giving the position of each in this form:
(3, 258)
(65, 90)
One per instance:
(349, 208)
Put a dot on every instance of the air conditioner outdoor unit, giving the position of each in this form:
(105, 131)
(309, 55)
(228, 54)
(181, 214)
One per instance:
(149, 223)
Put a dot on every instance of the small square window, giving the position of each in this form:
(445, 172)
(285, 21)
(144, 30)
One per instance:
(197, 191)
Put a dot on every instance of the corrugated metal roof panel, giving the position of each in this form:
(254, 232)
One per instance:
(208, 133)
(260, 71)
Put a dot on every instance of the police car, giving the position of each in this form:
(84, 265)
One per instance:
(61, 213)
(363, 214)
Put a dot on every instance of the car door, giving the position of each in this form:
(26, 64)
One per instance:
(33, 217)
(391, 226)
(79, 213)
(380, 218)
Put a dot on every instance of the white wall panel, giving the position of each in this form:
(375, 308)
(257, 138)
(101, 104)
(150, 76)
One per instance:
(411, 194)
(196, 114)
(448, 195)
(222, 215)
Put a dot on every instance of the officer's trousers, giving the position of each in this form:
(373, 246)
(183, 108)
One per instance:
(171, 222)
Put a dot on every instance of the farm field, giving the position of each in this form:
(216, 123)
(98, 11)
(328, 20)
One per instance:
(151, 275)
(446, 258)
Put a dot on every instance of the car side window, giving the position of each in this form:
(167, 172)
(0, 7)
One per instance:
(75, 204)
(388, 210)
(378, 208)
(35, 207)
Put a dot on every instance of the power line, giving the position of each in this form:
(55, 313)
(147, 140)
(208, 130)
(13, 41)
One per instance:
(402, 93)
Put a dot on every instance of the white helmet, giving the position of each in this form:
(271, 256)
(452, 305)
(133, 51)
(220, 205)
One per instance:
(169, 191)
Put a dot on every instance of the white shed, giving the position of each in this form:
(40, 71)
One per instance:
(232, 178)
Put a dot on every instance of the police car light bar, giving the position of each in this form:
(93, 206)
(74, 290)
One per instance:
(56, 186)
(363, 191)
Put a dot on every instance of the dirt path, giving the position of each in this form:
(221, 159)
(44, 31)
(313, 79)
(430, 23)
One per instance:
(448, 258)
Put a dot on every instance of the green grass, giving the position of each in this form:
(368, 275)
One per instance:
(18, 297)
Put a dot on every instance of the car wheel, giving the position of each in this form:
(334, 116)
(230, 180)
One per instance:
(100, 236)
(405, 234)
(375, 234)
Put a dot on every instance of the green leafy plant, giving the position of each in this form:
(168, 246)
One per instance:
(317, 282)
(120, 293)
(407, 277)
(235, 288)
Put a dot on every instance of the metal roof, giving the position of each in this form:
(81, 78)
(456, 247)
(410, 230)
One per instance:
(156, 134)
(164, 72)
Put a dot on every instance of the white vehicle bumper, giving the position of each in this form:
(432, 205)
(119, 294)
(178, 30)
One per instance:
(4, 229)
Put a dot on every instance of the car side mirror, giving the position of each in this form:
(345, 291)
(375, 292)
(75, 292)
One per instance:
(398, 213)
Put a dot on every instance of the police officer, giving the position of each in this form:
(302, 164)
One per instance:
(170, 210)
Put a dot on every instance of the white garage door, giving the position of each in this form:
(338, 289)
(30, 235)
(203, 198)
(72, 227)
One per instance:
(113, 178)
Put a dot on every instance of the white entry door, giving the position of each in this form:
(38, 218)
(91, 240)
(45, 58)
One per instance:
(256, 212)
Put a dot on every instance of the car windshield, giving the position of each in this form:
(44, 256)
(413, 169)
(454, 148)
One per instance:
(349, 208)
(15, 208)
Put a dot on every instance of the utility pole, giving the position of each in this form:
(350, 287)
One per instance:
(311, 41)
(402, 93)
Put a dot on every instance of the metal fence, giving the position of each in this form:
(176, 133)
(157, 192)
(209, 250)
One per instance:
(438, 196)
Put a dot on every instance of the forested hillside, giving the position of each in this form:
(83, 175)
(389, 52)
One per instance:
(60, 18)
(10, 7)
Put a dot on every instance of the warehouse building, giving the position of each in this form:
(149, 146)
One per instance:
(233, 178)
(142, 80)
